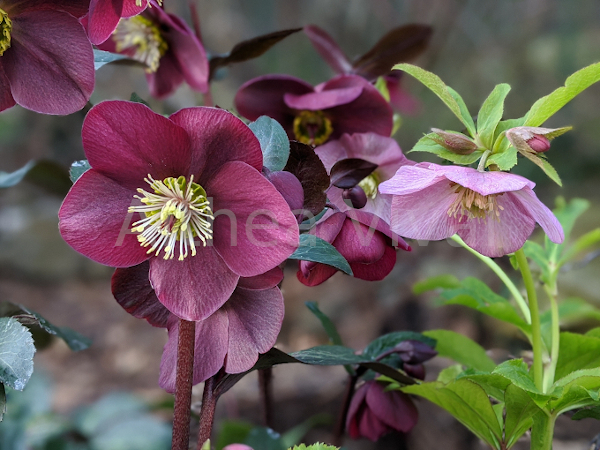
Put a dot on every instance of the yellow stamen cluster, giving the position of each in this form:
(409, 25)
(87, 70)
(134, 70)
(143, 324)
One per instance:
(474, 205)
(312, 127)
(178, 210)
(143, 37)
(139, 2)
(5, 29)
(370, 184)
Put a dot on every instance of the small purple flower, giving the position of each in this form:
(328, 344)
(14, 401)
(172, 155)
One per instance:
(185, 193)
(493, 212)
(374, 412)
(344, 104)
(166, 45)
(46, 59)
(104, 16)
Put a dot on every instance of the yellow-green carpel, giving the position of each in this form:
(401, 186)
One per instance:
(312, 127)
(5, 30)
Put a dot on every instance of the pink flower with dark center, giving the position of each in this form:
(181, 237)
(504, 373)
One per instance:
(344, 104)
(185, 193)
(46, 60)
(231, 338)
(104, 16)
(374, 412)
(167, 47)
(493, 212)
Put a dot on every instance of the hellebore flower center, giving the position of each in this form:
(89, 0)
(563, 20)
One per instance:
(473, 205)
(5, 29)
(370, 185)
(143, 37)
(312, 127)
(178, 210)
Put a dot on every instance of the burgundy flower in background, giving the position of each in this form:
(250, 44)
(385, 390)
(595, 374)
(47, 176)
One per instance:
(493, 212)
(46, 59)
(104, 16)
(344, 104)
(231, 338)
(374, 412)
(183, 192)
(166, 45)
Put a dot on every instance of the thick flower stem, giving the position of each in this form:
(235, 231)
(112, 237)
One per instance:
(183, 385)
(341, 423)
(555, 333)
(207, 411)
(265, 383)
(536, 332)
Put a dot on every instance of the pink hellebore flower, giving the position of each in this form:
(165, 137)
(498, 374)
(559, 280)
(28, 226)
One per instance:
(104, 16)
(493, 212)
(232, 338)
(166, 45)
(344, 104)
(374, 412)
(185, 193)
(46, 60)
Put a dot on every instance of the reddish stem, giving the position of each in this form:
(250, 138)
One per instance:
(183, 385)
(265, 378)
(207, 411)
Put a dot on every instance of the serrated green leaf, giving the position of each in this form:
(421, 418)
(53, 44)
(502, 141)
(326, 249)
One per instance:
(441, 281)
(464, 111)
(274, 142)
(10, 179)
(517, 372)
(540, 161)
(579, 389)
(439, 88)
(102, 57)
(546, 106)
(315, 249)
(428, 145)
(588, 413)
(317, 446)
(493, 384)
(505, 160)
(390, 340)
(490, 114)
(461, 349)
(78, 168)
(520, 409)
(577, 352)
(16, 353)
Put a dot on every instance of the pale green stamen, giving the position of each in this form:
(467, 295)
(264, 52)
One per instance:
(178, 210)
(473, 205)
(5, 29)
(370, 184)
(143, 37)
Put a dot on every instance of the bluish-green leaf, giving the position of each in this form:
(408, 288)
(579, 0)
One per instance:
(328, 325)
(390, 340)
(428, 145)
(78, 168)
(16, 353)
(140, 432)
(490, 114)
(461, 349)
(315, 249)
(264, 438)
(10, 179)
(2, 401)
(274, 142)
(102, 57)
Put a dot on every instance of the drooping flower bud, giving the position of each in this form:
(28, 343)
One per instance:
(455, 142)
(533, 139)
(356, 196)
(414, 352)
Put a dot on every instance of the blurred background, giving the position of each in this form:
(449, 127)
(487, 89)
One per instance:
(531, 44)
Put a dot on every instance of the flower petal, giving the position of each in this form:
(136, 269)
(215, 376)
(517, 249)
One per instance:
(410, 179)
(393, 408)
(359, 243)
(131, 8)
(77, 8)
(94, 221)
(314, 101)
(264, 281)
(6, 98)
(328, 49)
(541, 214)
(313, 274)
(254, 229)
(217, 137)
(166, 79)
(377, 270)
(50, 64)
(485, 183)
(132, 289)
(126, 141)
(194, 288)
(103, 18)
(255, 319)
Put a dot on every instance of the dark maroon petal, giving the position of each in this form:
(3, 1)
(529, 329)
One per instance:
(264, 281)
(217, 137)
(166, 79)
(130, 7)
(290, 188)
(357, 406)
(394, 408)
(313, 274)
(132, 289)
(255, 318)
(6, 98)
(360, 244)
(94, 221)
(328, 49)
(209, 352)
(127, 141)
(377, 270)
(348, 172)
(329, 226)
(400, 99)
(77, 8)
(254, 229)
(314, 101)
(50, 64)
(264, 96)
(103, 18)
(194, 288)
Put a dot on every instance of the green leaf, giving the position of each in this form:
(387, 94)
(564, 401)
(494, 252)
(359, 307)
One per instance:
(467, 402)
(577, 352)
(315, 249)
(78, 168)
(571, 310)
(274, 142)
(579, 389)
(490, 114)
(567, 214)
(16, 353)
(500, 141)
(537, 254)
(101, 57)
(428, 145)
(441, 281)
(2, 401)
(493, 384)
(141, 432)
(439, 88)
(461, 349)
(517, 372)
(232, 432)
(390, 340)
(450, 373)
(10, 179)
(583, 243)
(264, 438)
(520, 409)
(328, 325)
(317, 446)
(293, 436)
(593, 413)
(137, 99)
(505, 160)
(464, 112)
(546, 106)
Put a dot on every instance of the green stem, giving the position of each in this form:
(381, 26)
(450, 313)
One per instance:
(542, 431)
(536, 331)
(555, 330)
(483, 160)
(502, 275)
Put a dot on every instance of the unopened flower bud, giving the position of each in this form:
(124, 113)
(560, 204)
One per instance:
(414, 370)
(455, 142)
(533, 139)
(355, 196)
(414, 352)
